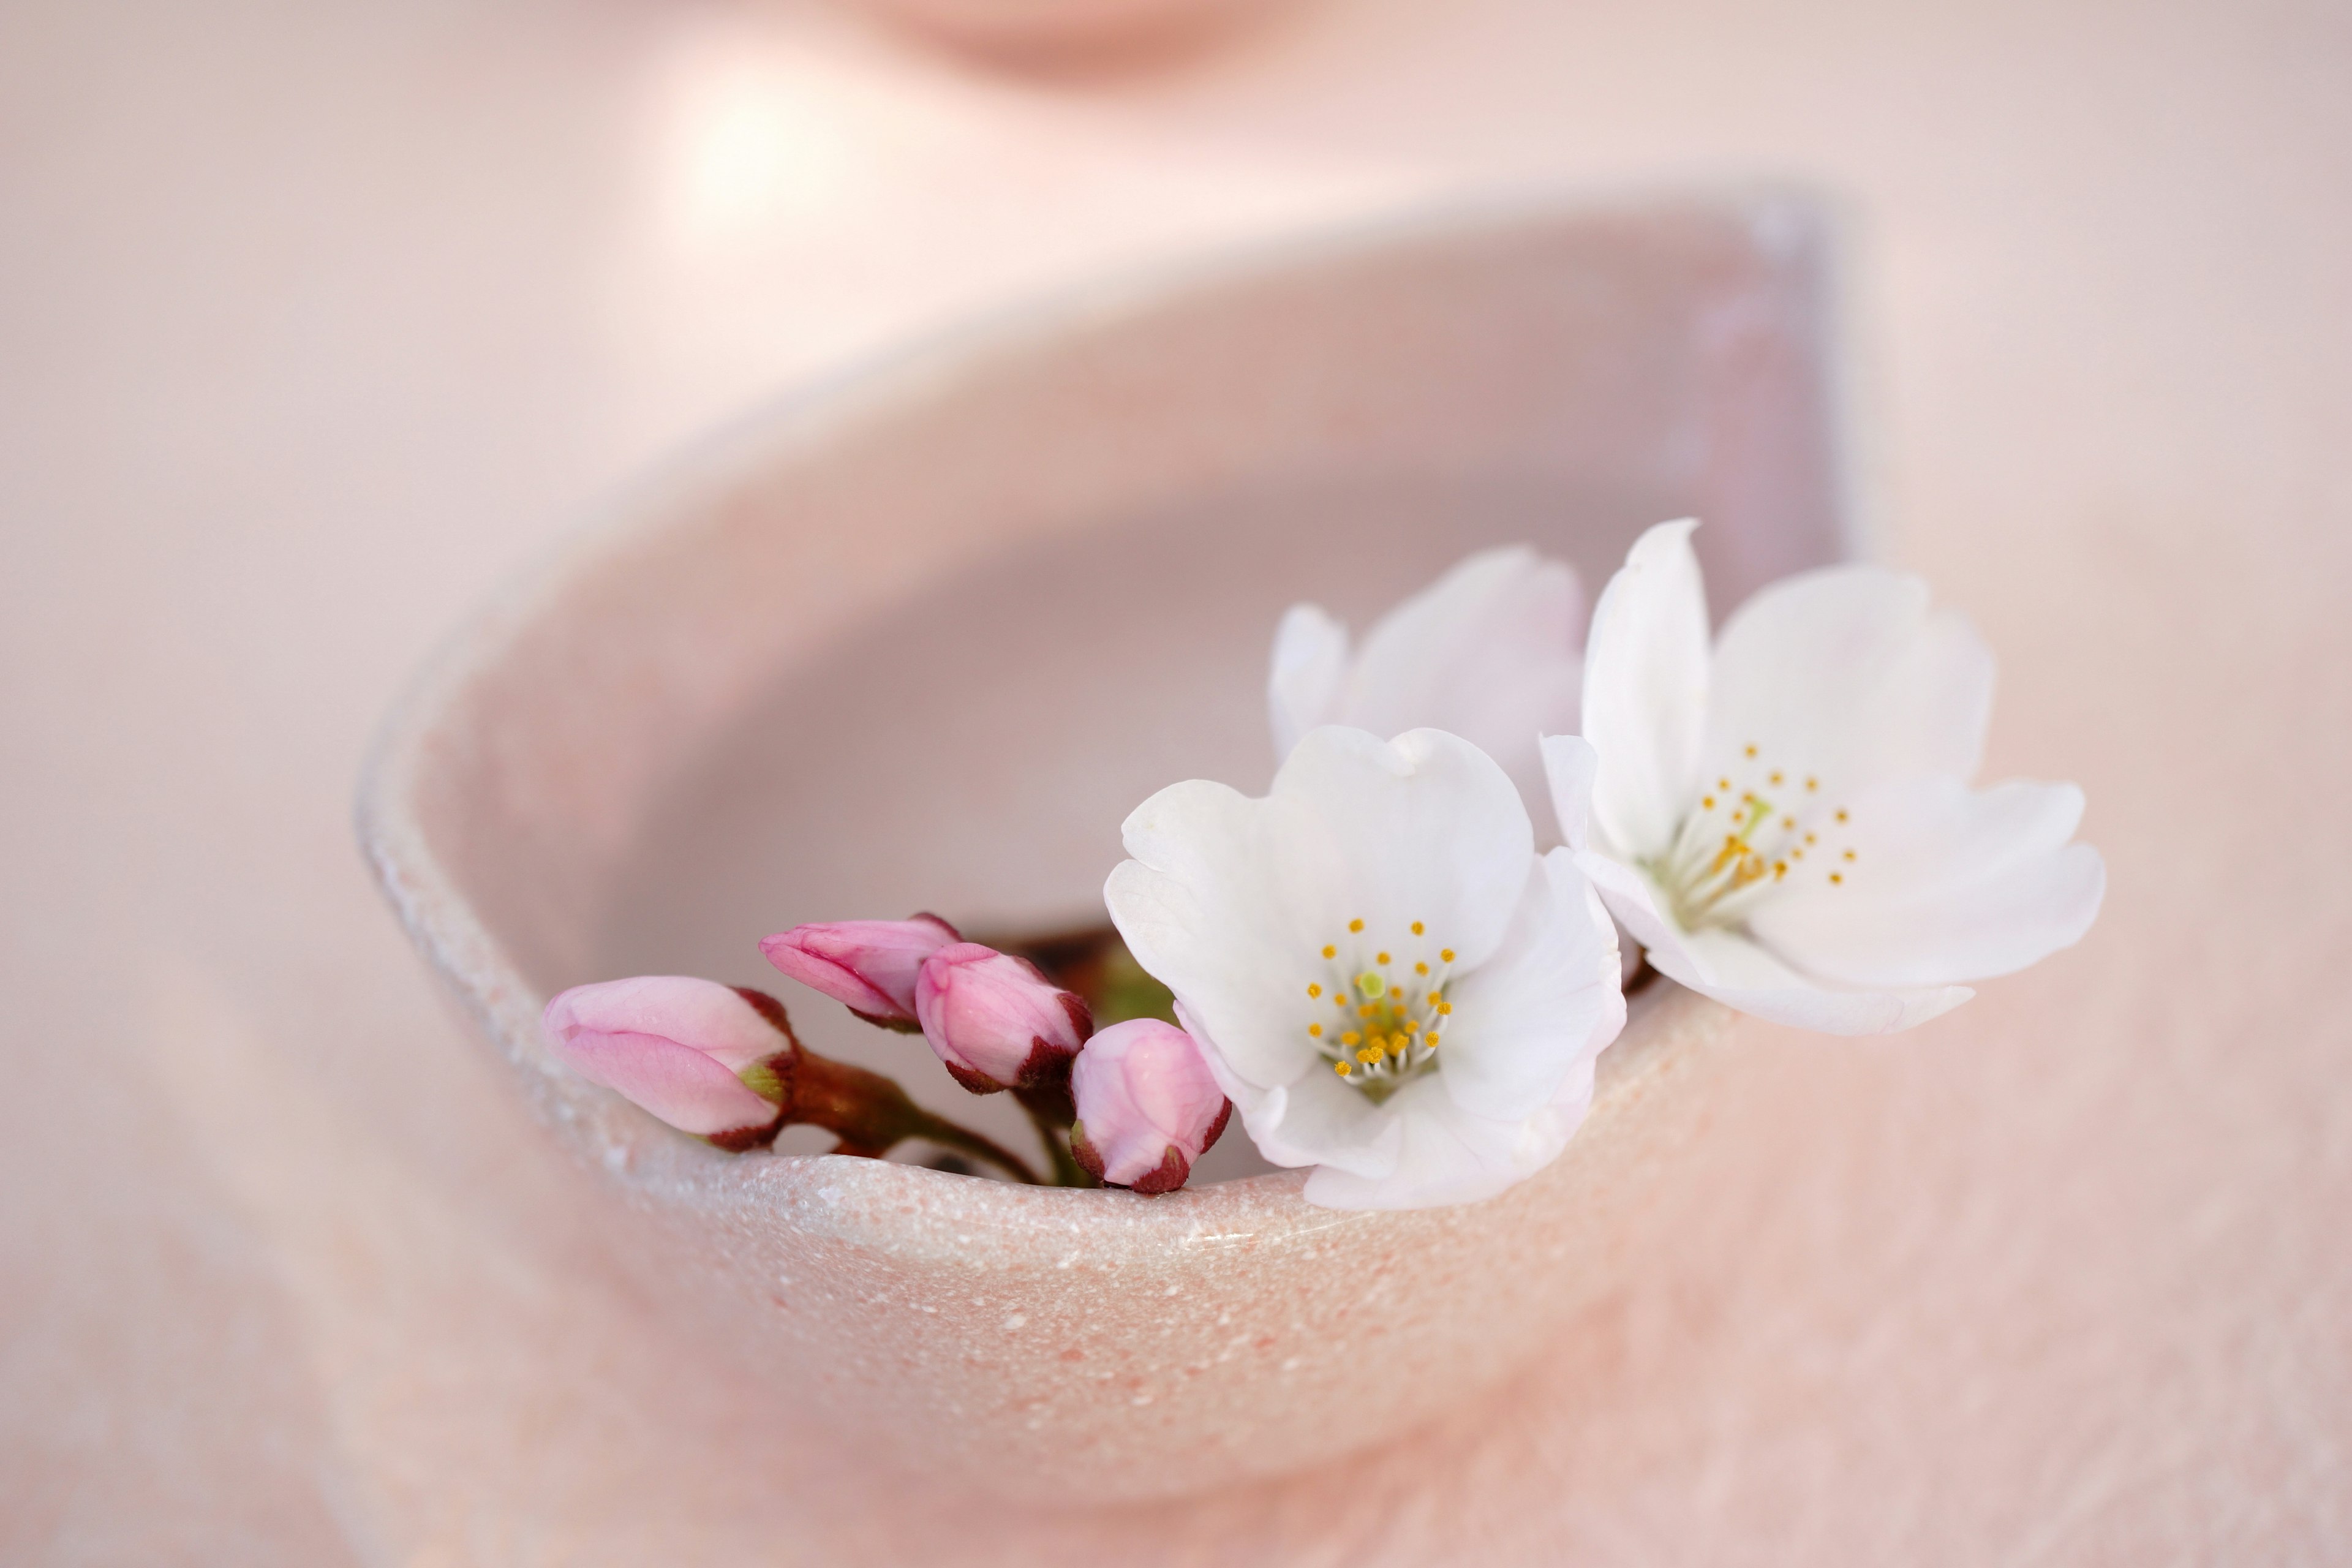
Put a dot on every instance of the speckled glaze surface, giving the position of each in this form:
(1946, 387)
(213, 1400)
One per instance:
(828, 666)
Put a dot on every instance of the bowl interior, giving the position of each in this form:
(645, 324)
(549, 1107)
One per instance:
(922, 639)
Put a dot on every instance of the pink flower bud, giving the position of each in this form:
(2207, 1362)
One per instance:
(1148, 1107)
(995, 1021)
(869, 966)
(680, 1047)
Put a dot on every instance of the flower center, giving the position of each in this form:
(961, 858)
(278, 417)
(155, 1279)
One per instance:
(1755, 828)
(1387, 1004)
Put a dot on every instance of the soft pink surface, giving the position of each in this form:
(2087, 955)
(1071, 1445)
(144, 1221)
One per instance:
(315, 325)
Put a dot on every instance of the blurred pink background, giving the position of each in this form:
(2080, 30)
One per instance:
(317, 323)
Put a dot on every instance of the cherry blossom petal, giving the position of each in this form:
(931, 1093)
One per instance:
(1310, 665)
(1738, 973)
(1570, 767)
(1848, 675)
(1491, 652)
(1199, 907)
(1445, 1154)
(1546, 1001)
(1424, 828)
(1947, 883)
(1632, 898)
(1314, 1119)
(1645, 691)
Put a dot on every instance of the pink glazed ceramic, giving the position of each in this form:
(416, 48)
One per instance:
(1047, 29)
(922, 638)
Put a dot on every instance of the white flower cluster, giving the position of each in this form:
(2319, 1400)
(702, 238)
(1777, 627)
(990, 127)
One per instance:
(1397, 989)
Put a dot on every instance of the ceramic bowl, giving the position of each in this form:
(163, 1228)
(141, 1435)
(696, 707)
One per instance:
(920, 638)
(1050, 30)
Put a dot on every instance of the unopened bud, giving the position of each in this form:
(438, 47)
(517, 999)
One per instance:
(1147, 1104)
(701, 1056)
(869, 966)
(996, 1022)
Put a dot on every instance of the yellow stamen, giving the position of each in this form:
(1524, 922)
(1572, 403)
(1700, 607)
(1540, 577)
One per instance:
(1837, 875)
(1445, 955)
(1420, 969)
(1416, 927)
(1314, 990)
(1330, 953)
(1381, 958)
(1355, 925)
(1340, 1068)
(1316, 1030)
(1350, 1038)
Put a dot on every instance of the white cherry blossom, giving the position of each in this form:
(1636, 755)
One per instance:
(1387, 980)
(1785, 821)
(1492, 651)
